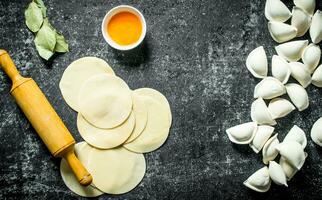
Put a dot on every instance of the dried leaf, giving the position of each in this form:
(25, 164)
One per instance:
(34, 17)
(42, 6)
(45, 40)
(61, 44)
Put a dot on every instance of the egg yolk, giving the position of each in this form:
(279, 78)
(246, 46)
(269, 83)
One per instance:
(124, 28)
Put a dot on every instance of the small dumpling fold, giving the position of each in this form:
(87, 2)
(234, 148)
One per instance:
(298, 96)
(288, 169)
(301, 20)
(269, 151)
(260, 113)
(243, 133)
(317, 77)
(259, 181)
(256, 62)
(316, 132)
(280, 69)
(276, 11)
(307, 5)
(280, 107)
(281, 32)
(292, 51)
(296, 134)
(300, 73)
(311, 57)
(269, 88)
(276, 173)
(316, 27)
(263, 133)
(293, 152)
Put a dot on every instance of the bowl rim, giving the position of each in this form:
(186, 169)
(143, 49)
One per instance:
(115, 11)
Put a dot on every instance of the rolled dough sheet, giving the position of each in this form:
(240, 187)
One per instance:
(116, 171)
(141, 116)
(70, 179)
(149, 92)
(156, 130)
(105, 138)
(75, 75)
(105, 101)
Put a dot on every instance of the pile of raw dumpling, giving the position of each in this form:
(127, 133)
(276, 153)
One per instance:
(118, 125)
(258, 133)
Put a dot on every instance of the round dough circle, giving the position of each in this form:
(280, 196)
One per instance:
(116, 171)
(78, 72)
(70, 179)
(105, 138)
(105, 101)
(158, 96)
(156, 130)
(141, 116)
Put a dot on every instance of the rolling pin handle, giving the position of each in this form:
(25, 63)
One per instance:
(82, 175)
(8, 66)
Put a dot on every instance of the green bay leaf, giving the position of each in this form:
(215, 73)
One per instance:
(42, 6)
(33, 17)
(45, 40)
(61, 44)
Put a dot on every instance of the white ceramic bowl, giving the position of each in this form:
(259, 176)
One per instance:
(115, 11)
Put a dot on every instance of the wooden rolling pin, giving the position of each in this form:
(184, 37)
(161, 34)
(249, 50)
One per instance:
(43, 118)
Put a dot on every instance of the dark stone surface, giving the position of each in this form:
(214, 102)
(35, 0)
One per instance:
(195, 54)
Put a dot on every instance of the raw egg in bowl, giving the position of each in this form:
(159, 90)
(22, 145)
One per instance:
(124, 27)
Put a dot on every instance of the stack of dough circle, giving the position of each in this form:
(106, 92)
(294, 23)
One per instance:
(105, 101)
(70, 179)
(117, 124)
(76, 73)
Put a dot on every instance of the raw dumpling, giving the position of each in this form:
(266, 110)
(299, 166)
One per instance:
(116, 171)
(262, 135)
(77, 73)
(316, 132)
(280, 69)
(260, 113)
(293, 152)
(301, 20)
(292, 51)
(256, 62)
(105, 101)
(276, 11)
(281, 32)
(311, 57)
(307, 5)
(269, 152)
(316, 27)
(298, 96)
(280, 107)
(317, 77)
(243, 133)
(259, 181)
(300, 73)
(70, 179)
(288, 169)
(269, 88)
(156, 130)
(105, 138)
(276, 173)
(296, 134)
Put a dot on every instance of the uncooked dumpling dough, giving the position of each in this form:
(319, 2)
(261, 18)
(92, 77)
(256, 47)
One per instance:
(70, 179)
(156, 130)
(116, 171)
(105, 101)
(105, 138)
(149, 92)
(141, 116)
(78, 72)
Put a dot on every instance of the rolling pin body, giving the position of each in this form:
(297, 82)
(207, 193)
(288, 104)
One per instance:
(43, 118)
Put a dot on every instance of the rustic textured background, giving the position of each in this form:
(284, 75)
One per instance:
(195, 54)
